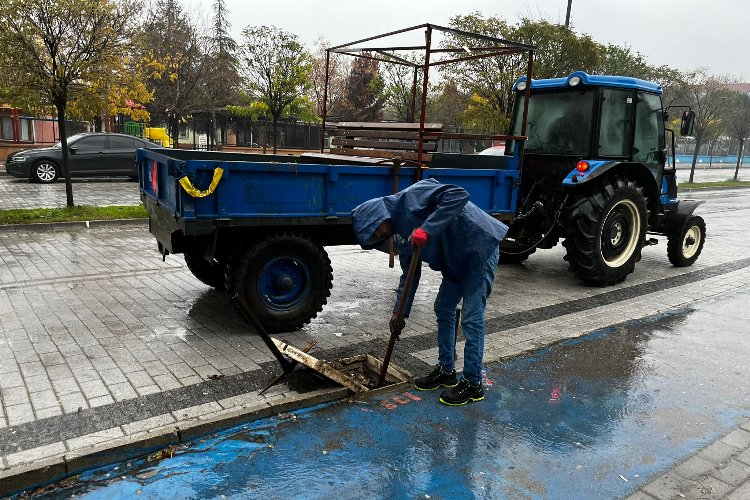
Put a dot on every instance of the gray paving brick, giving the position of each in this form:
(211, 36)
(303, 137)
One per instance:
(33, 368)
(19, 414)
(113, 376)
(34, 454)
(73, 402)
(139, 378)
(734, 473)
(94, 388)
(10, 380)
(738, 438)
(694, 467)
(44, 399)
(148, 389)
(52, 411)
(83, 442)
(65, 386)
(166, 382)
(640, 495)
(101, 401)
(148, 424)
(706, 488)
(666, 486)
(59, 372)
(181, 370)
(15, 396)
(718, 452)
(741, 493)
(38, 383)
(122, 391)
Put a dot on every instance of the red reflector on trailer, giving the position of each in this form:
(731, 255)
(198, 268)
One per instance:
(582, 166)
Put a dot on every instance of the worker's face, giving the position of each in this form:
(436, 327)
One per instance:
(384, 230)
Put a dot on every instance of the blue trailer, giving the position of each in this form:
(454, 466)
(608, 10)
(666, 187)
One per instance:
(261, 230)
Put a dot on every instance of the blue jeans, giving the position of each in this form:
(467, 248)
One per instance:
(474, 290)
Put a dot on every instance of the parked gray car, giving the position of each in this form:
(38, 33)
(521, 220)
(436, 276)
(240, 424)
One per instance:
(91, 154)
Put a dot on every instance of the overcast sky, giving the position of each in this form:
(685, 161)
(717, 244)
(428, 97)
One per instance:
(684, 34)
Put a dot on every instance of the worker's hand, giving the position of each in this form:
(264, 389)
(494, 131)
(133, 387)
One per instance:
(396, 326)
(418, 237)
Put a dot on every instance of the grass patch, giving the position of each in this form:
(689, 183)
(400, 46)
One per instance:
(716, 184)
(82, 212)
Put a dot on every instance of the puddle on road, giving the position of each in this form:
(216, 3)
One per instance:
(576, 419)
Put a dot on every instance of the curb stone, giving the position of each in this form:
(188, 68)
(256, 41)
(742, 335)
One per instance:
(73, 225)
(40, 472)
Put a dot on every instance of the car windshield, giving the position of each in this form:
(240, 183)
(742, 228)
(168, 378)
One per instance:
(71, 139)
(558, 123)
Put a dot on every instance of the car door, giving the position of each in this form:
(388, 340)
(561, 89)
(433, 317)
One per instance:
(121, 155)
(87, 155)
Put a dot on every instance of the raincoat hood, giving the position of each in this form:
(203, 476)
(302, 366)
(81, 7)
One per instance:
(366, 218)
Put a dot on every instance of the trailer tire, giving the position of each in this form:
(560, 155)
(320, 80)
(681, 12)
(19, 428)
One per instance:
(285, 279)
(685, 242)
(606, 231)
(514, 257)
(211, 274)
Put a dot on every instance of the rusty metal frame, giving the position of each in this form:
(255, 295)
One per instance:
(500, 47)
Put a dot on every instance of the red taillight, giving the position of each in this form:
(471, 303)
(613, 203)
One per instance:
(582, 166)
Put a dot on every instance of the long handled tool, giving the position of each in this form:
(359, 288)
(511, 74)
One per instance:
(415, 261)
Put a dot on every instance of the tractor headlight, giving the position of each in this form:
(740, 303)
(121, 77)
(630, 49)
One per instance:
(574, 81)
(521, 85)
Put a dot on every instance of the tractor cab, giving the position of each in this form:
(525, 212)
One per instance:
(594, 172)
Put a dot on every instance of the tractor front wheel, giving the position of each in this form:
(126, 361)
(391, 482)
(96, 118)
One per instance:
(685, 242)
(210, 273)
(284, 279)
(606, 231)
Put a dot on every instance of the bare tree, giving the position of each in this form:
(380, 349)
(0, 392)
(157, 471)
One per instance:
(57, 48)
(710, 99)
(338, 68)
(738, 124)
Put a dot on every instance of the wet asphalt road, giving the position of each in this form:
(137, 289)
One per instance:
(594, 417)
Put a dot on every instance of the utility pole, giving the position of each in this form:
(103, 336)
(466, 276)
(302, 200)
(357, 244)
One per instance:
(567, 16)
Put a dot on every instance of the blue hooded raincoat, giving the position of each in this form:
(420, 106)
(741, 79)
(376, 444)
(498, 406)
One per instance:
(461, 236)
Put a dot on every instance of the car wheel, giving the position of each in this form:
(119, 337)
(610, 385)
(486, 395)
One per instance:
(44, 171)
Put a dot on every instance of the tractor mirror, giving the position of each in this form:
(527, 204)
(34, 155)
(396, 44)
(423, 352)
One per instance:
(686, 125)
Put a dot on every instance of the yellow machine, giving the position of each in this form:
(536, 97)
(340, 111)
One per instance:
(159, 135)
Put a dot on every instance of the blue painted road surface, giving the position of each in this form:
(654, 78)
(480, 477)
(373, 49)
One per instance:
(594, 417)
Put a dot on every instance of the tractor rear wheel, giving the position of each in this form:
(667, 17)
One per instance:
(284, 279)
(685, 242)
(606, 231)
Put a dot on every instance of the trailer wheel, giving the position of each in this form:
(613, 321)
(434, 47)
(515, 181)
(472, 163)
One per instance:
(211, 274)
(606, 231)
(685, 242)
(285, 280)
(513, 256)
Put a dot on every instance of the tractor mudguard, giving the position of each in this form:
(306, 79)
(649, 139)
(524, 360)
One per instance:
(596, 168)
(685, 207)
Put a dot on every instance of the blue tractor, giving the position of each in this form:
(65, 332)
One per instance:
(594, 173)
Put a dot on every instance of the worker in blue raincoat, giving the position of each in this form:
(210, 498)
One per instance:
(459, 240)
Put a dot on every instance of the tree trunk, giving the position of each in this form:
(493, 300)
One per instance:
(265, 134)
(739, 157)
(275, 124)
(174, 131)
(60, 105)
(695, 156)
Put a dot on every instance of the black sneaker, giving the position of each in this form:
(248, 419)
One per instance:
(437, 378)
(464, 392)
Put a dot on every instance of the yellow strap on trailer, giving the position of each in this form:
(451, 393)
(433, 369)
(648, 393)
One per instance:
(196, 193)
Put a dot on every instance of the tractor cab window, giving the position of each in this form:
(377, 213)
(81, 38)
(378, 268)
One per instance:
(649, 128)
(559, 123)
(614, 130)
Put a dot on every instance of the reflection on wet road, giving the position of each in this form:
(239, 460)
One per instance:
(590, 417)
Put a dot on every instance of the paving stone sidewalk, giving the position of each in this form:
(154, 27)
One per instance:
(720, 470)
(20, 193)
